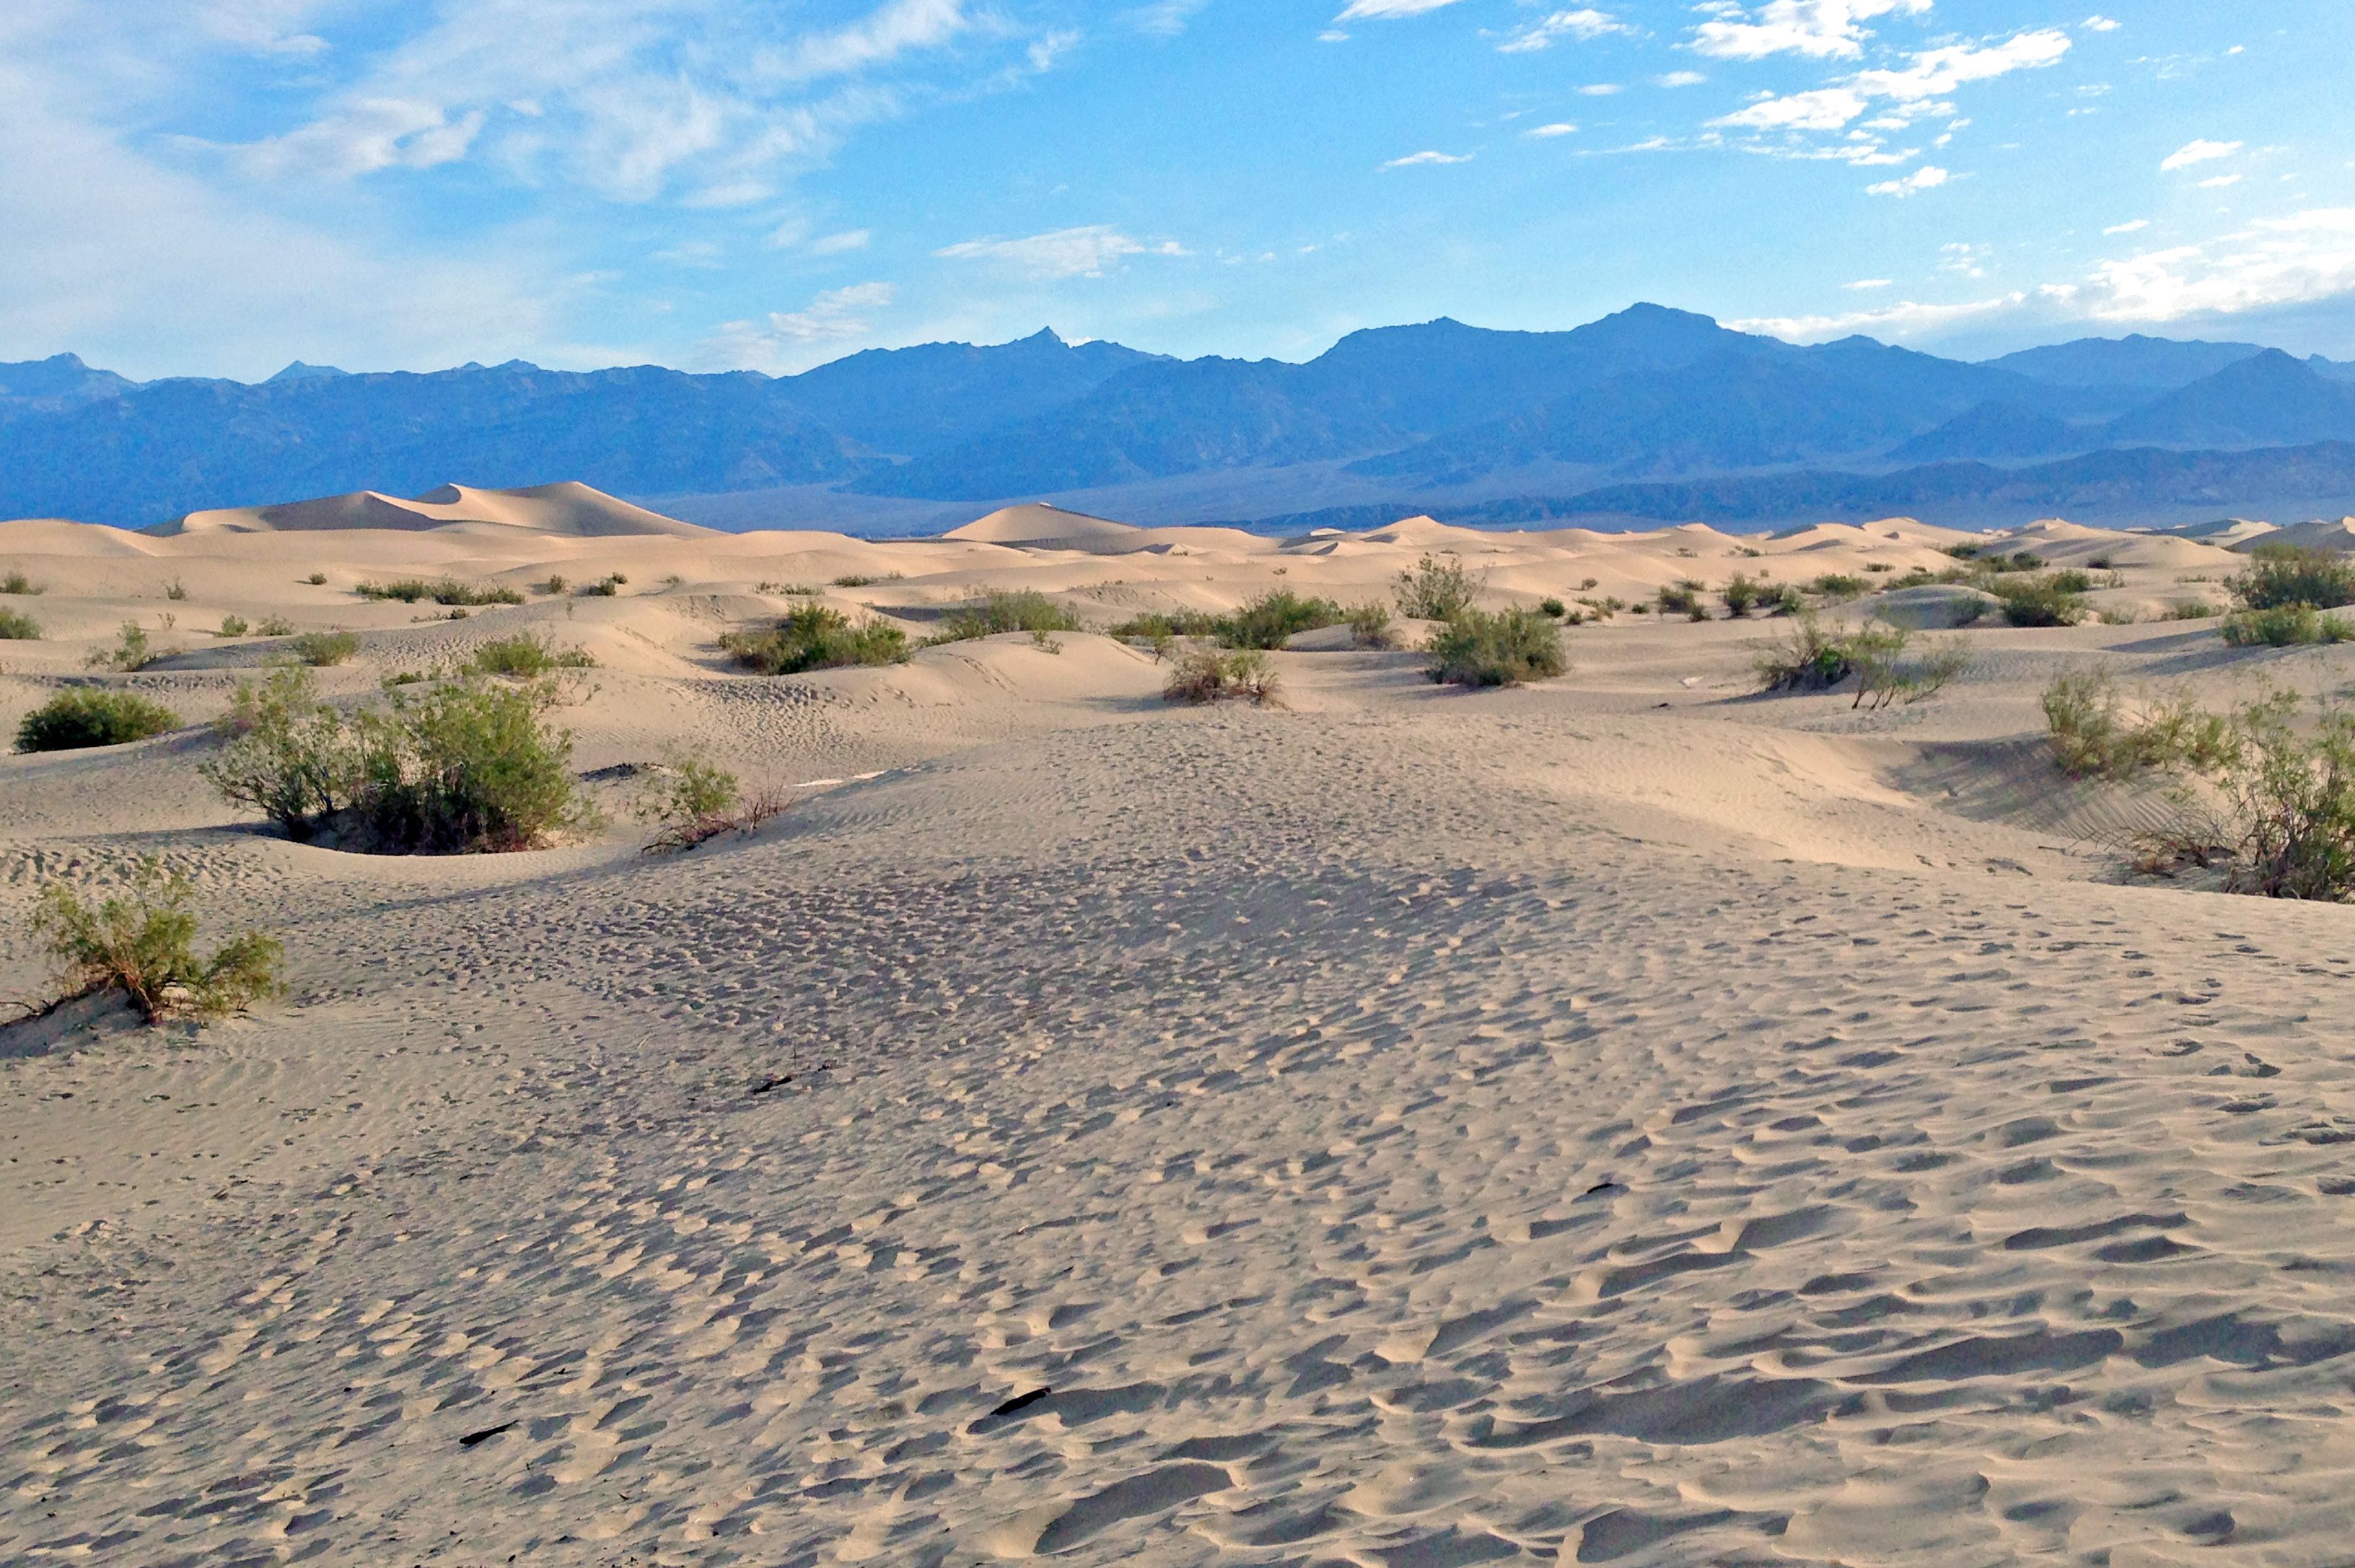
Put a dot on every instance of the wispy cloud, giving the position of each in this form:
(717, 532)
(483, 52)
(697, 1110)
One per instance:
(2131, 226)
(2200, 151)
(1915, 88)
(1864, 284)
(1378, 10)
(2292, 260)
(1558, 128)
(1416, 160)
(1164, 18)
(1582, 25)
(840, 244)
(1084, 253)
(1929, 176)
(787, 341)
(1909, 319)
(1820, 28)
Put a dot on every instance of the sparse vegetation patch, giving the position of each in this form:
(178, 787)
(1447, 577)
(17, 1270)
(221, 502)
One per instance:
(84, 716)
(1503, 648)
(143, 941)
(817, 637)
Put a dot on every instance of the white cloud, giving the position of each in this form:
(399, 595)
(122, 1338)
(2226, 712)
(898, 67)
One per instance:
(1371, 10)
(1929, 176)
(1680, 79)
(2295, 259)
(1965, 261)
(1066, 253)
(2131, 226)
(1601, 89)
(1164, 18)
(1416, 160)
(785, 341)
(1558, 128)
(1583, 24)
(2099, 25)
(1911, 93)
(1864, 284)
(633, 99)
(1820, 28)
(1909, 319)
(838, 244)
(2218, 182)
(2200, 151)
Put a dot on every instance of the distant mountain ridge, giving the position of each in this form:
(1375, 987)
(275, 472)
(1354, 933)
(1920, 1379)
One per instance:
(1642, 405)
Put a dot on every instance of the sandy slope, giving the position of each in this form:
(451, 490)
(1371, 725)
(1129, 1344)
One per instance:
(1625, 1121)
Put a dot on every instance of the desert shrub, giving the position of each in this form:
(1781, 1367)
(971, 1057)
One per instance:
(1836, 586)
(1920, 577)
(1784, 600)
(556, 584)
(527, 656)
(317, 580)
(324, 649)
(1553, 607)
(2195, 610)
(83, 716)
(1807, 657)
(2069, 581)
(1027, 610)
(816, 638)
(672, 580)
(133, 651)
(1683, 599)
(1877, 567)
(797, 589)
(288, 755)
(2097, 733)
(1892, 666)
(142, 942)
(685, 789)
(1437, 590)
(440, 591)
(2039, 600)
(15, 626)
(1208, 676)
(2290, 799)
(1369, 626)
(1154, 625)
(2284, 627)
(2280, 575)
(1270, 620)
(175, 590)
(866, 580)
(233, 626)
(18, 582)
(1503, 648)
(274, 626)
(1741, 595)
(605, 587)
(465, 766)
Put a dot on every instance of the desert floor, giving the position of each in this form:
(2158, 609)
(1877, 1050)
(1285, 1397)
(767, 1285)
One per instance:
(1624, 1120)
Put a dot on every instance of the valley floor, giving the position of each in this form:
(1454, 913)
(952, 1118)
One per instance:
(1620, 1121)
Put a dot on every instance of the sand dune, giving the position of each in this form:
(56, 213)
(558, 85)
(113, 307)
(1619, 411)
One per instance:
(1625, 1120)
(567, 510)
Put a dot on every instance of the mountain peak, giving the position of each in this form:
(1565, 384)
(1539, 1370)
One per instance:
(299, 372)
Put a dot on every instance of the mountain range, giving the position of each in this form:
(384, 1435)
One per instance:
(1650, 413)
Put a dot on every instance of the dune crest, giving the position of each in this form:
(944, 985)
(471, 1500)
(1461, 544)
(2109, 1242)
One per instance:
(568, 508)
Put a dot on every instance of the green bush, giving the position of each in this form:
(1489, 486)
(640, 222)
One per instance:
(816, 638)
(1553, 607)
(1154, 625)
(1741, 595)
(80, 717)
(142, 943)
(440, 591)
(557, 583)
(1437, 590)
(233, 626)
(132, 653)
(15, 626)
(527, 656)
(1683, 599)
(1503, 648)
(175, 590)
(1027, 610)
(317, 580)
(795, 590)
(2193, 610)
(465, 766)
(18, 582)
(1836, 587)
(325, 648)
(862, 579)
(2284, 627)
(1369, 626)
(2280, 575)
(605, 587)
(1206, 676)
(2097, 733)
(2039, 600)
(1271, 620)
(685, 789)
(1807, 657)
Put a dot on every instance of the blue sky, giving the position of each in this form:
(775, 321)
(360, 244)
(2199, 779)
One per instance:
(216, 187)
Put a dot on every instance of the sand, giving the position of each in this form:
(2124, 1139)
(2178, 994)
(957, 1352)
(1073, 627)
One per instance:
(1624, 1120)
